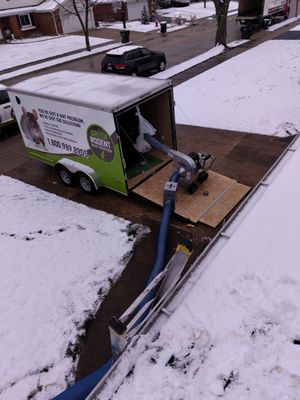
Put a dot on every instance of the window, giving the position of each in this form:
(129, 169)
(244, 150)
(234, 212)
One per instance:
(146, 52)
(4, 97)
(132, 56)
(25, 21)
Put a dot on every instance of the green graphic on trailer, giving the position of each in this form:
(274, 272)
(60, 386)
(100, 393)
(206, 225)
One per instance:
(106, 158)
(100, 142)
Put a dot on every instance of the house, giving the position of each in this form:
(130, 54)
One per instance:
(28, 18)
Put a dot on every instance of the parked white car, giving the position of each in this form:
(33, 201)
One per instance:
(7, 114)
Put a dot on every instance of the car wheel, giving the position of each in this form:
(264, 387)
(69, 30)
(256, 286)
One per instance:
(134, 73)
(86, 184)
(161, 66)
(65, 176)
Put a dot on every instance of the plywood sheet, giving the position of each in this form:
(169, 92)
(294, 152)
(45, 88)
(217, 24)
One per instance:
(215, 214)
(213, 200)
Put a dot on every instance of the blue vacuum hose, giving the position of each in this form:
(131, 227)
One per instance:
(81, 389)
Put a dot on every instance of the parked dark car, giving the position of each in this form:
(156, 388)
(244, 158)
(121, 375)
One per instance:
(133, 60)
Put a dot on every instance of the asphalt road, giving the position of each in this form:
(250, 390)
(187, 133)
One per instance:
(178, 46)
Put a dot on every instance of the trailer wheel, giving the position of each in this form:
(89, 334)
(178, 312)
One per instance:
(192, 188)
(65, 175)
(202, 176)
(86, 184)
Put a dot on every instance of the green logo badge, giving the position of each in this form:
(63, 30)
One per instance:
(100, 142)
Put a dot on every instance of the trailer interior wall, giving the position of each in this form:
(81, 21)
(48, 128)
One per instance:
(157, 110)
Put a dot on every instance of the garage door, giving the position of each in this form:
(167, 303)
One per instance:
(135, 7)
(70, 22)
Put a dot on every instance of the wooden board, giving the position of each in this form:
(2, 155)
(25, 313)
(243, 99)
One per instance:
(213, 200)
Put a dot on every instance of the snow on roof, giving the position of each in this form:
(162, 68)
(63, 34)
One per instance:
(108, 92)
(45, 6)
(2, 87)
(30, 6)
(49, 5)
(121, 50)
(16, 11)
(6, 5)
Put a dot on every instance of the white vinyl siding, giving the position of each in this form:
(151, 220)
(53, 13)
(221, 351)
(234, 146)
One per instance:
(70, 22)
(134, 9)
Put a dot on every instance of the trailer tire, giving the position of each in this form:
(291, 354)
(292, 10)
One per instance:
(192, 188)
(86, 184)
(202, 176)
(65, 176)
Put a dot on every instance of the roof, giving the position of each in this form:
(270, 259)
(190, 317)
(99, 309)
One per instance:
(16, 11)
(7, 5)
(2, 87)
(121, 50)
(107, 92)
(28, 6)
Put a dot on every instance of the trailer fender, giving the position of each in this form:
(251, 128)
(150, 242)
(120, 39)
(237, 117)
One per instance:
(77, 168)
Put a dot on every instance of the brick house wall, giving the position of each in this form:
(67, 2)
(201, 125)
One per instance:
(105, 12)
(16, 30)
(44, 24)
(48, 24)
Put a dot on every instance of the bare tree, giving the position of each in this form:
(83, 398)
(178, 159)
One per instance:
(221, 13)
(80, 8)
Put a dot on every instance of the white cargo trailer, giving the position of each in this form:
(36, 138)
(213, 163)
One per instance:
(86, 126)
(260, 13)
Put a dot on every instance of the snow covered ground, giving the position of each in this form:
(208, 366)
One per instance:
(234, 334)
(58, 261)
(234, 327)
(137, 26)
(21, 52)
(260, 88)
(234, 331)
(197, 9)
